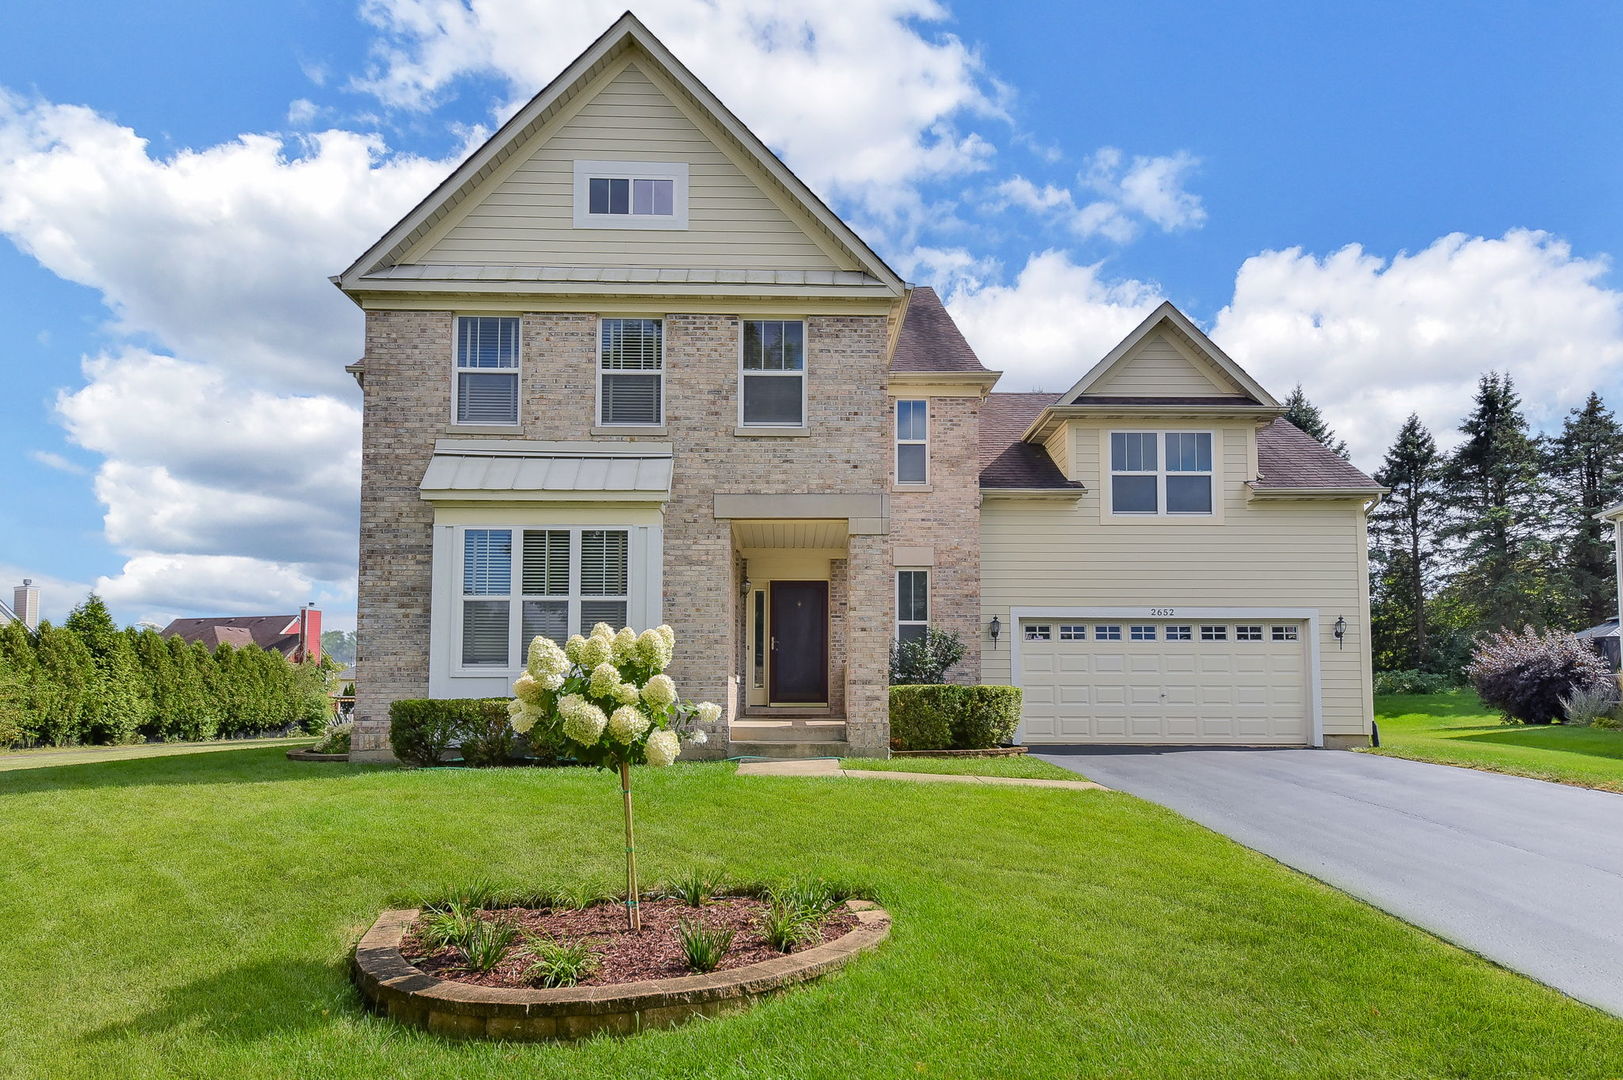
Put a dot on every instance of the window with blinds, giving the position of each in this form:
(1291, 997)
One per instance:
(631, 372)
(487, 362)
(557, 581)
(772, 374)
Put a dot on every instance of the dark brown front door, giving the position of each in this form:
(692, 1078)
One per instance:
(800, 641)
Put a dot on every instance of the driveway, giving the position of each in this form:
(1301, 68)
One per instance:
(1526, 873)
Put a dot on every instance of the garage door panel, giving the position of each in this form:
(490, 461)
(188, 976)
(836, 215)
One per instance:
(1220, 689)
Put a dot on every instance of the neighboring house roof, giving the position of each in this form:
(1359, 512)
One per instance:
(1007, 462)
(929, 340)
(378, 265)
(279, 632)
(1290, 458)
(6, 614)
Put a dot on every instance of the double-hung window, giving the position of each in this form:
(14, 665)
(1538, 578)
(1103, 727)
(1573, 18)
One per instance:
(912, 604)
(631, 373)
(486, 375)
(520, 583)
(1161, 473)
(772, 374)
(912, 442)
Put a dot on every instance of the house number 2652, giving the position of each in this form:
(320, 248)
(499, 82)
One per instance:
(1162, 611)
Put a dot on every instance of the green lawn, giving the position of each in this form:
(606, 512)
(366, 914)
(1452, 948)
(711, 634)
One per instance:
(53, 756)
(1023, 765)
(1457, 729)
(191, 916)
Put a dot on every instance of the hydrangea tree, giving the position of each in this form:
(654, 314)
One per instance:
(608, 699)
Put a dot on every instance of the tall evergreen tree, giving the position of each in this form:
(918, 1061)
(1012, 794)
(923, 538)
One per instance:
(1403, 541)
(18, 658)
(1586, 467)
(1499, 515)
(124, 704)
(158, 671)
(69, 685)
(1306, 415)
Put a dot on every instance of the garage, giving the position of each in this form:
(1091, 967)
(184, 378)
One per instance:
(1197, 678)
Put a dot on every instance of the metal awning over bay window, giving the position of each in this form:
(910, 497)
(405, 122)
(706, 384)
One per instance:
(512, 470)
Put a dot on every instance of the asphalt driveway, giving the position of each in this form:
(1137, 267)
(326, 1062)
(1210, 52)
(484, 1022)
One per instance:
(1524, 872)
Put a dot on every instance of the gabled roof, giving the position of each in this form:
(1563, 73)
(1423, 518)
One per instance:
(6, 614)
(1007, 461)
(279, 632)
(627, 33)
(1169, 317)
(929, 340)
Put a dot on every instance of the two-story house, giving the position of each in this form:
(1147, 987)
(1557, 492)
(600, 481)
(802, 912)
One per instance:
(623, 366)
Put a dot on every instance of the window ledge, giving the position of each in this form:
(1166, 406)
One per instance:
(630, 429)
(920, 488)
(772, 432)
(484, 429)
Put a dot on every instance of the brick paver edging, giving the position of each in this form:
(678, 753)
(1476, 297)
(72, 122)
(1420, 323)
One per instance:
(311, 755)
(392, 986)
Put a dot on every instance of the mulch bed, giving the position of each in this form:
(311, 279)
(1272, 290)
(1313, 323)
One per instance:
(623, 957)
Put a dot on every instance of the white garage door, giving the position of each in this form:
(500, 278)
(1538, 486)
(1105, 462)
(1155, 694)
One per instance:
(1165, 681)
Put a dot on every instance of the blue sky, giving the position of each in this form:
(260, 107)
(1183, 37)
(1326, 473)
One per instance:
(1054, 168)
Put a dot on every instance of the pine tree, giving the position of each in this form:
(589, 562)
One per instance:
(1403, 540)
(1499, 515)
(1305, 415)
(1586, 467)
(22, 666)
(158, 671)
(69, 685)
(125, 702)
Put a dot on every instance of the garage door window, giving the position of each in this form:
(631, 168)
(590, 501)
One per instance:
(1073, 633)
(1039, 633)
(1161, 473)
(1180, 633)
(1141, 633)
(1214, 633)
(1248, 633)
(1284, 633)
(1107, 633)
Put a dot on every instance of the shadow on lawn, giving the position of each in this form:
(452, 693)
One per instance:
(1588, 742)
(250, 765)
(245, 1004)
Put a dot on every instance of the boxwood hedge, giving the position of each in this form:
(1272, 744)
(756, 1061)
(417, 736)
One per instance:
(950, 717)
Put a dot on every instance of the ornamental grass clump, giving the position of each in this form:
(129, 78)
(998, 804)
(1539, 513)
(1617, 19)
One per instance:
(606, 699)
(486, 943)
(558, 963)
(1526, 674)
(702, 947)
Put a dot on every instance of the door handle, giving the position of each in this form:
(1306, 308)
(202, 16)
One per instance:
(774, 643)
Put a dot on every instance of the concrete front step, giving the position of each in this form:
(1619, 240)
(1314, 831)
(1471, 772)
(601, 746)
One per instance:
(779, 749)
(788, 730)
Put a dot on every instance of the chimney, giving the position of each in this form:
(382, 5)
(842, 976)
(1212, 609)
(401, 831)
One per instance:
(25, 602)
(309, 632)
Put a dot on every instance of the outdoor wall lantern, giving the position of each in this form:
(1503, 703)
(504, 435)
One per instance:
(1340, 630)
(996, 628)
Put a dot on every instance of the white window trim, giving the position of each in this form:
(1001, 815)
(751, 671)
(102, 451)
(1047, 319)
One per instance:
(598, 421)
(587, 170)
(457, 369)
(804, 374)
(899, 442)
(896, 595)
(516, 596)
(1160, 472)
(1310, 616)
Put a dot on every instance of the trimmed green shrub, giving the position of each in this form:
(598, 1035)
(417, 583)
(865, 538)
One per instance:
(1412, 682)
(927, 660)
(487, 735)
(946, 716)
(988, 717)
(421, 730)
(1526, 674)
(921, 716)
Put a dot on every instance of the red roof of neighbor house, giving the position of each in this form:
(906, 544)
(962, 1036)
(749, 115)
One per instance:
(1287, 457)
(929, 340)
(279, 632)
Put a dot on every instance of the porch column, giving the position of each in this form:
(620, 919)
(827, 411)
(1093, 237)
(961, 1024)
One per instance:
(868, 631)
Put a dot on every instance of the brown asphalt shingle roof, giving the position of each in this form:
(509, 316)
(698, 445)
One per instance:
(1287, 457)
(266, 631)
(929, 340)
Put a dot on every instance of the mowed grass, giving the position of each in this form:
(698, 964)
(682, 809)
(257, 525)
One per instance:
(1023, 766)
(193, 916)
(1457, 729)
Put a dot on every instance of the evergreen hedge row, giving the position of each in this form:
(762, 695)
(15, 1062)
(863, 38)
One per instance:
(87, 681)
(938, 716)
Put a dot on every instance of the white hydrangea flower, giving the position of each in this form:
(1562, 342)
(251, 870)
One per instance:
(551, 682)
(663, 747)
(627, 694)
(625, 645)
(698, 737)
(604, 630)
(583, 721)
(664, 630)
(604, 680)
(527, 688)
(709, 713)
(660, 691)
(546, 658)
(594, 651)
(627, 724)
(572, 648)
(653, 651)
(520, 716)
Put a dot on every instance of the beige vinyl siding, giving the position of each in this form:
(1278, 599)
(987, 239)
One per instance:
(1264, 554)
(527, 215)
(1162, 367)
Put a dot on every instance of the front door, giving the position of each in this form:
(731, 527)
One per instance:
(799, 642)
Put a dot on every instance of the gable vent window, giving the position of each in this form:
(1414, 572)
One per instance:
(772, 374)
(631, 195)
(1161, 473)
(486, 370)
(617, 195)
(631, 372)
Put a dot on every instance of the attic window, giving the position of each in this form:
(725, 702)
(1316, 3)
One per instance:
(631, 195)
